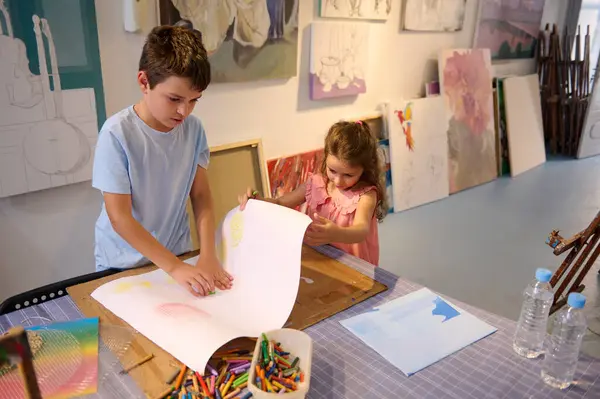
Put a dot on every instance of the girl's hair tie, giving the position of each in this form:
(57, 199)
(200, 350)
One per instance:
(359, 122)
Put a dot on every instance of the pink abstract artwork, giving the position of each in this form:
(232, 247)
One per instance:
(466, 82)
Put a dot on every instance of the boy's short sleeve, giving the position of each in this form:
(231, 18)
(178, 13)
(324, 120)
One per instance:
(111, 168)
(202, 149)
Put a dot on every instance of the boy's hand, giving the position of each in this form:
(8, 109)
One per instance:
(321, 231)
(195, 280)
(210, 266)
(243, 199)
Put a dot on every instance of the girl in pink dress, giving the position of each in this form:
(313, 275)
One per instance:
(346, 198)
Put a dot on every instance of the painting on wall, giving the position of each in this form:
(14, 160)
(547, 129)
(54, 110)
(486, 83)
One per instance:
(509, 28)
(418, 152)
(357, 9)
(338, 59)
(434, 15)
(466, 87)
(287, 173)
(51, 94)
(245, 40)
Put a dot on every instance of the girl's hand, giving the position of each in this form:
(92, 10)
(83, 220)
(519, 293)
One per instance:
(321, 231)
(192, 279)
(210, 266)
(243, 199)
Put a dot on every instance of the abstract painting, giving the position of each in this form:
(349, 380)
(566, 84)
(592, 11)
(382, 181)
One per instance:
(338, 59)
(51, 94)
(246, 40)
(466, 87)
(287, 173)
(418, 152)
(509, 28)
(358, 9)
(65, 358)
(434, 15)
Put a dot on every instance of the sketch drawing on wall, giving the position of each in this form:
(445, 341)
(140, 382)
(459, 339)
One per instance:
(434, 15)
(245, 40)
(509, 28)
(338, 59)
(420, 170)
(46, 134)
(359, 9)
(466, 87)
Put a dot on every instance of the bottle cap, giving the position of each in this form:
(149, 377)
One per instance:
(576, 300)
(543, 275)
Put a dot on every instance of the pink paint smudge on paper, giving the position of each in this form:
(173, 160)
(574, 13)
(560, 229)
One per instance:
(179, 311)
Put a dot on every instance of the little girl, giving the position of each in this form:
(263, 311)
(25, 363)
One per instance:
(347, 197)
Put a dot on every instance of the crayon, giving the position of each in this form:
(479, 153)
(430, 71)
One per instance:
(180, 376)
(248, 395)
(232, 394)
(136, 364)
(166, 392)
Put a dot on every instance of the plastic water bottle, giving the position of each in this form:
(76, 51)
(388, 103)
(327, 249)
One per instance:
(562, 351)
(531, 328)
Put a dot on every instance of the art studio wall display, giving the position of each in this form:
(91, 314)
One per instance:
(52, 99)
(524, 125)
(246, 40)
(466, 87)
(339, 55)
(355, 9)
(509, 28)
(418, 152)
(433, 15)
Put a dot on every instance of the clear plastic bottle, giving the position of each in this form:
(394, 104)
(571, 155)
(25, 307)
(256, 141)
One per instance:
(531, 328)
(562, 351)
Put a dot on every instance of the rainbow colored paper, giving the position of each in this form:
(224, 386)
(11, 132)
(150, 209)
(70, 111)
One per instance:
(66, 365)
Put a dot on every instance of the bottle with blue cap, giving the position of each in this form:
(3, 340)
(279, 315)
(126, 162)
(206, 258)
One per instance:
(531, 328)
(562, 348)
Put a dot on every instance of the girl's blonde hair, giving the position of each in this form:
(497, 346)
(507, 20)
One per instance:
(353, 143)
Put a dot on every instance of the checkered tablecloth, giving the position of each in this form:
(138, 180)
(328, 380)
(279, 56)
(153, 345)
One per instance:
(343, 367)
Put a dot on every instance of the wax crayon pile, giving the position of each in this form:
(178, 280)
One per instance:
(230, 381)
(277, 370)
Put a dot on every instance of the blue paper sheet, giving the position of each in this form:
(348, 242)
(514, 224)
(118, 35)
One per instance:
(417, 330)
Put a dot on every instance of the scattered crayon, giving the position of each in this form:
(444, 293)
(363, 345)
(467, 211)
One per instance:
(276, 370)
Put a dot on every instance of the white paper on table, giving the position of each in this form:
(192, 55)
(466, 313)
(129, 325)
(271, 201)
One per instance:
(260, 246)
(417, 330)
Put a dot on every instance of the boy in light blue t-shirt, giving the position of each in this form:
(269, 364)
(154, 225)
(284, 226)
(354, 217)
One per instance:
(152, 156)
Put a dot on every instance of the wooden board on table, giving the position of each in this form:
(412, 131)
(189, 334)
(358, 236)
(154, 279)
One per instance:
(327, 287)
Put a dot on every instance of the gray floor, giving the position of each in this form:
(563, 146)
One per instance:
(482, 245)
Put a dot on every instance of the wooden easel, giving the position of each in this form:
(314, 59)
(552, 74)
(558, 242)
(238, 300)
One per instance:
(585, 246)
(15, 344)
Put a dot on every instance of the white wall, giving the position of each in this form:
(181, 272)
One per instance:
(48, 236)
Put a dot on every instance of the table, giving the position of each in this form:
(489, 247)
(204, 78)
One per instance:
(343, 367)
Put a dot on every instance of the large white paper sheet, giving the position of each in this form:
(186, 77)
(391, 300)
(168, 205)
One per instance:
(416, 330)
(261, 247)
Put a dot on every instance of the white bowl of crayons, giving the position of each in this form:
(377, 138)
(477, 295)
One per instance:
(281, 364)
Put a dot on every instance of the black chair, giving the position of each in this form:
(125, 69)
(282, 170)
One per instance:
(49, 292)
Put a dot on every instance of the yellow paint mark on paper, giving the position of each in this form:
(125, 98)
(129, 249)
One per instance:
(237, 229)
(125, 286)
